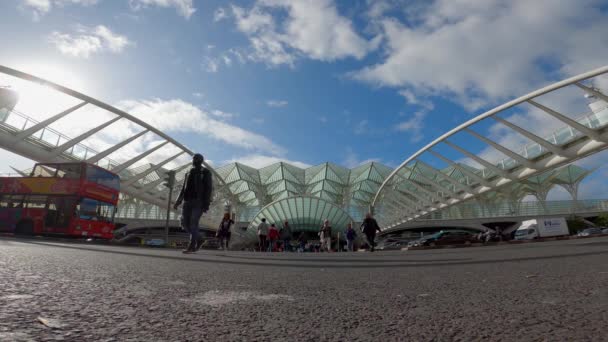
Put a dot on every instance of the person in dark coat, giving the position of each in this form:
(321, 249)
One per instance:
(196, 195)
(369, 228)
(223, 231)
(286, 236)
(350, 237)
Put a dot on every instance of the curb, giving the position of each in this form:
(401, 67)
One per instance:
(512, 242)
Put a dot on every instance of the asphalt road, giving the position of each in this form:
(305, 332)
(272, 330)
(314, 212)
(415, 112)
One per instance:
(550, 291)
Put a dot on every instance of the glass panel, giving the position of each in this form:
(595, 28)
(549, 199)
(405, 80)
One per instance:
(89, 209)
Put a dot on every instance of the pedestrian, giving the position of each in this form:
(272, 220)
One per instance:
(369, 228)
(223, 232)
(286, 237)
(350, 237)
(273, 237)
(196, 195)
(302, 241)
(325, 234)
(262, 233)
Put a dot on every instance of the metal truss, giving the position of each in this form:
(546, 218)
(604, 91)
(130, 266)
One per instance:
(141, 181)
(436, 189)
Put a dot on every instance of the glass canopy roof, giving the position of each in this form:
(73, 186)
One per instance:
(304, 213)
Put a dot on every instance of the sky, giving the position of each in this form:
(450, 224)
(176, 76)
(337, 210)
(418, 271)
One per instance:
(308, 81)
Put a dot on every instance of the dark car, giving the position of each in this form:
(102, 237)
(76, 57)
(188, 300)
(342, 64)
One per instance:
(155, 236)
(447, 238)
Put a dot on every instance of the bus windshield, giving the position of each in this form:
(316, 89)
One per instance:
(90, 209)
(103, 177)
(68, 171)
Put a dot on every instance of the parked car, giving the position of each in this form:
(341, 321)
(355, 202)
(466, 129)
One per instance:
(605, 231)
(448, 237)
(590, 231)
(155, 236)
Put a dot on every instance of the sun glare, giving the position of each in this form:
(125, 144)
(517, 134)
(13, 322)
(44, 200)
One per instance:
(40, 101)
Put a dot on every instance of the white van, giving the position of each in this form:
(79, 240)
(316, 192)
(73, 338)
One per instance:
(527, 231)
(549, 226)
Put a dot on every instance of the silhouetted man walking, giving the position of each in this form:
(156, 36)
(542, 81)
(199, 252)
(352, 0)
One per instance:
(196, 195)
(369, 228)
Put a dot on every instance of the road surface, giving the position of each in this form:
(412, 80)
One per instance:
(62, 291)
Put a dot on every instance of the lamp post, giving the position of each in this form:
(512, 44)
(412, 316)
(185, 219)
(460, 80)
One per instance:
(169, 182)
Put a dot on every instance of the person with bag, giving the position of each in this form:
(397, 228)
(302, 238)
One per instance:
(262, 233)
(325, 234)
(286, 236)
(196, 195)
(369, 228)
(273, 237)
(223, 231)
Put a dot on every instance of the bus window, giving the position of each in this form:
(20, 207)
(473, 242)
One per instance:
(103, 177)
(44, 171)
(35, 201)
(90, 209)
(60, 211)
(69, 171)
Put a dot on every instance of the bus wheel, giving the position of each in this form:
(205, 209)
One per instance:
(24, 228)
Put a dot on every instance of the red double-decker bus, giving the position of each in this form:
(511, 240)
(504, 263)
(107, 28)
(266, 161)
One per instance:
(74, 199)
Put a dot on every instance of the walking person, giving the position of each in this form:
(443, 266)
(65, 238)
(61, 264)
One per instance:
(262, 234)
(273, 237)
(286, 236)
(369, 228)
(350, 237)
(325, 234)
(302, 242)
(223, 232)
(196, 196)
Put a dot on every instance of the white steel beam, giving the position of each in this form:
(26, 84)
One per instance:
(139, 157)
(482, 181)
(513, 155)
(568, 121)
(437, 186)
(74, 141)
(44, 123)
(556, 150)
(481, 161)
(464, 187)
(143, 174)
(592, 91)
(99, 156)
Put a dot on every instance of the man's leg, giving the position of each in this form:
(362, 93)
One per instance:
(185, 219)
(195, 216)
(328, 244)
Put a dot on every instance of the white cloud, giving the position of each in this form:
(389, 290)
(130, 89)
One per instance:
(276, 103)
(313, 29)
(210, 65)
(42, 7)
(180, 116)
(219, 14)
(352, 159)
(483, 52)
(260, 160)
(89, 41)
(197, 95)
(361, 127)
(115, 42)
(415, 124)
(185, 8)
(221, 114)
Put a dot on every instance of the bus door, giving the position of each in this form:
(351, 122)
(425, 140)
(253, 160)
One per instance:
(59, 214)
